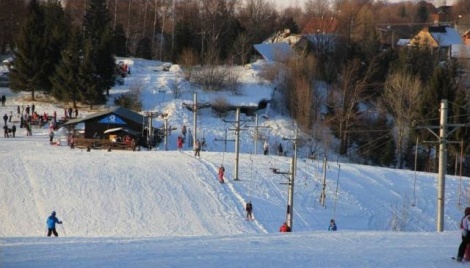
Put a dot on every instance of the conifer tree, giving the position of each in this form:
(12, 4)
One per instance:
(56, 38)
(38, 47)
(65, 82)
(89, 81)
(119, 39)
(98, 38)
(30, 48)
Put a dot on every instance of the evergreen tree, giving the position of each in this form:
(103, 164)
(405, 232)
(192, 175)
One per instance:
(144, 49)
(89, 81)
(65, 82)
(29, 53)
(119, 41)
(38, 47)
(98, 38)
(56, 37)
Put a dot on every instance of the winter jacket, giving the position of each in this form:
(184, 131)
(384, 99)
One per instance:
(51, 221)
(284, 228)
(332, 227)
(249, 207)
(465, 225)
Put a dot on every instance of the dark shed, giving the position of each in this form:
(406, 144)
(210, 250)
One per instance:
(96, 124)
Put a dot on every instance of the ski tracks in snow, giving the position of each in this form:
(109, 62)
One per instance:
(227, 193)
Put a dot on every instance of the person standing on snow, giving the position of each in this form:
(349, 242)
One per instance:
(249, 211)
(284, 228)
(332, 226)
(221, 173)
(179, 143)
(51, 221)
(13, 130)
(197, 149)
(183, 132)
(280, 150)
(51, 136)
(464, 226)
(266, 148)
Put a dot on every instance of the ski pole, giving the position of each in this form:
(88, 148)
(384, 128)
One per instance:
(65, 234)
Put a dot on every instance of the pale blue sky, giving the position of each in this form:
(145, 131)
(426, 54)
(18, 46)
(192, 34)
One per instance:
(286, 3)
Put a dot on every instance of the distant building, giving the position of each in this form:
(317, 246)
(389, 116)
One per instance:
(97, 124)
(442, 38)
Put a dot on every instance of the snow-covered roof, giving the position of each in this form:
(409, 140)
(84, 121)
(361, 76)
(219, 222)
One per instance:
(275, 51)
(461, 51)
(403, 42)
(445, 35)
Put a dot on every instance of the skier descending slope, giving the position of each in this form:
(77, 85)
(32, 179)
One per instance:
(51, 221)
(249, 211)
(221, 173)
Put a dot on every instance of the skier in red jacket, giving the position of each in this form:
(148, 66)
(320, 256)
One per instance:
(221, 173)
(179, 143)
(284, 228)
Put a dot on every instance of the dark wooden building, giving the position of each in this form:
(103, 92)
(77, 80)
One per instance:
(96, 124)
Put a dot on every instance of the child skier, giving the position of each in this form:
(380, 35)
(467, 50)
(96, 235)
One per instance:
(249, 210)
(221, 174)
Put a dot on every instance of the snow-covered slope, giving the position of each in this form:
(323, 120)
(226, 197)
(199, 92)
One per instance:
(166, 208)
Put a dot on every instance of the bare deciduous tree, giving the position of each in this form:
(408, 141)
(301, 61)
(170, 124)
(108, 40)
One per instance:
(318, 8)
(258, 17)
(241, 49)
(188, 59)
(347, 93)
(401, 98)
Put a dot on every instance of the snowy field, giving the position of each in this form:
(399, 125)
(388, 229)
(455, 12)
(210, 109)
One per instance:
(166, 208)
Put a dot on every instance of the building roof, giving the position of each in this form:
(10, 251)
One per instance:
(120, 111)
(275, 51)
(445, 35)
(461, 51)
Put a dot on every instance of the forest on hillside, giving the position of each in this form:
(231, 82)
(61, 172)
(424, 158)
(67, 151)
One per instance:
(377, 94)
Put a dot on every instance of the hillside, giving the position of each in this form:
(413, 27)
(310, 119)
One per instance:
(167, 209)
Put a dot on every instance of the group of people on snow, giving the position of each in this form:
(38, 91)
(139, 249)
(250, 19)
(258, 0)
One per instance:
(280, 149)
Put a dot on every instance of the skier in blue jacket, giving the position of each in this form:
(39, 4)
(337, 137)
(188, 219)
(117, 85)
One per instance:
(51, 221)
(332, 226)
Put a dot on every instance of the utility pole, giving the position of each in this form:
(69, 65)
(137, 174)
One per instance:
(225, 140)
(194, 118)
(323, 192)
(442, 140)
(257, 127)
(150, 116)
(291, 173)
(167, 130)
(237, 141)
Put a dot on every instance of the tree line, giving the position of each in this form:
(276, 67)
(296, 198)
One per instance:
(375, 95)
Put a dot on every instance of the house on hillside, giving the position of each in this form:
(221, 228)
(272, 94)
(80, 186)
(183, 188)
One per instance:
(283, 45)
(275, 51)
(441, 38)
(319, 44)
(117, 121)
